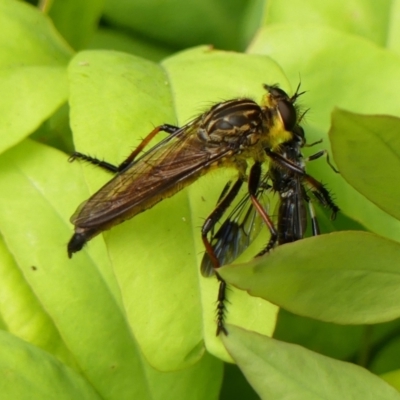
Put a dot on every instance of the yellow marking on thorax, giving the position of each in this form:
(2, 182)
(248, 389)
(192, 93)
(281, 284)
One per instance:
(277, 134)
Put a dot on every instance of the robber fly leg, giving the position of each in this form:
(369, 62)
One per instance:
(95, 161)
(221, 307)
(118, 168)
(162, 128)
(208, 226)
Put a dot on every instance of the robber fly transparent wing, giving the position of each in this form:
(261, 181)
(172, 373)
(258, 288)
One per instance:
(157, 174)
(238, 229)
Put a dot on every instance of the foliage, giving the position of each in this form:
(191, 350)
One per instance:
(130, 316)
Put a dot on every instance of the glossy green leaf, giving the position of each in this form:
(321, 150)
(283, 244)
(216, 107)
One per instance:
(81, 298)
(343, 277)
(30, 373)
(279, 370)
(32, 71)
(367, 18)
(330, 66)
(152, 269)
(367, 152)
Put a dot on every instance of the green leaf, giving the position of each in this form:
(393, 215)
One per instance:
(279, 370)
(337, 341)
(367, 152)
(214, 22)
(76, 20)
(162, 249)
(112, 39)
(56, 131)
(201, 381)
(81, 298)
(394, 28)
(235, 385)
(30, 373)
(307, 278)
(329, 65)
(385, 354)
(392, 378)
(367, 18)
(32, 72)
(22, 313)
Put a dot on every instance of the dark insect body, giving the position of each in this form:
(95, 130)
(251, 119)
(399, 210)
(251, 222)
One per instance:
(287, 177)
(294, 185)
(228, 135)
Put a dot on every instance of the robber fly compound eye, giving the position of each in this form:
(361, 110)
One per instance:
(285, 106)
(288, 114)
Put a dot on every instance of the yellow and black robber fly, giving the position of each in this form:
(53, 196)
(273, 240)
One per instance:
(228, 135)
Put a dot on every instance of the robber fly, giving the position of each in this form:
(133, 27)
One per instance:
(287, 177)
(227, 135)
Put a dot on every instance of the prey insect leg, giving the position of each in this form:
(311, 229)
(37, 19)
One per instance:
(320, 154)
(314, 221)
(317, 188)
(322, 194)
(118, 168)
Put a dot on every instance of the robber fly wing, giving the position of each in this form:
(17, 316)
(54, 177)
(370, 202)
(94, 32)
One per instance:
(157, 174)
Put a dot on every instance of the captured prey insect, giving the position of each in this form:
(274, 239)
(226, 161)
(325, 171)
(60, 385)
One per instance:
(227, 135)
(287, 177)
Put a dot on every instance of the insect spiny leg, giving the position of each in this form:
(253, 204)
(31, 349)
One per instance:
(162, 128)
(221, 307)
(208, 270)
(270, 245)
(93, 160)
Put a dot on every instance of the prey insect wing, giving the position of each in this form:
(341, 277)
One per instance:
(237, 231)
